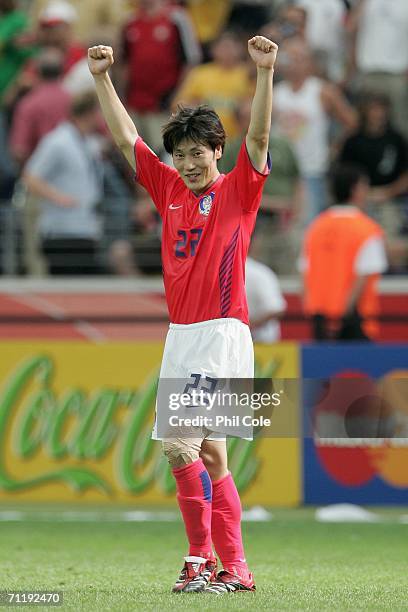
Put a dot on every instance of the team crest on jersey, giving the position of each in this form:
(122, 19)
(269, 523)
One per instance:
(205, 204)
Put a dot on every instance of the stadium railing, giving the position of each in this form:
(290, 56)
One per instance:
(20, 253)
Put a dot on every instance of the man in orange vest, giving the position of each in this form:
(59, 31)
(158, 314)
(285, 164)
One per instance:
(343, 257)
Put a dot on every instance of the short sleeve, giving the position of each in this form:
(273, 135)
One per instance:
(248, 181)
(155, 176)
(371, 258)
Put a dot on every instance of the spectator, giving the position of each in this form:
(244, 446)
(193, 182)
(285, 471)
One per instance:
(56, 23)
(277, 221)
(79, 80)
(250, 15)
(222, 83)
(325, 34)
(343, 257)
(158, 44)
(94, 17)
(36, 114)
(41, 110)
(13, 51)
(266, 303)
(304, 106)
(209, 18)
(381, 52)
(64, 173)
(382, 152)
(291, 21)
(54, 30)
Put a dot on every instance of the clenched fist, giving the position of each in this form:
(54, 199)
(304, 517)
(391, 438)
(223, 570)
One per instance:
(262, 51)
(100, 59)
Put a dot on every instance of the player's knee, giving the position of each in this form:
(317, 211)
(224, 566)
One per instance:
(209, 460)
(214, 457)
(181, 452)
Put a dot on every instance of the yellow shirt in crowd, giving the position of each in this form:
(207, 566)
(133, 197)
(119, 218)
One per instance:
(221, 88)
(209, 17)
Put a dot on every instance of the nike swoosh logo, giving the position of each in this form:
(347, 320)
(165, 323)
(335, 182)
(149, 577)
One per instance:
(172, 207)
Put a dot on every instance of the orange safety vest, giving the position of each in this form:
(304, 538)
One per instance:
(332, 243)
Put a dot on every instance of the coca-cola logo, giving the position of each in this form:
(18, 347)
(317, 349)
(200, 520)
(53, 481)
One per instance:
(75, 431)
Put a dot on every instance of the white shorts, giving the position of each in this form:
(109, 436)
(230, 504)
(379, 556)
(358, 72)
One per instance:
(219, 348)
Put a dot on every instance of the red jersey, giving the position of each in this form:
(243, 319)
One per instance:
(205, 238)
(156, 50)
(73, 54)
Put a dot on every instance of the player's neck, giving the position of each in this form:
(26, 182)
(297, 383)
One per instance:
(209, 184)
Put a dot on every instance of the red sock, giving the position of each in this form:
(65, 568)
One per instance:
(194, 493)
(226, 526)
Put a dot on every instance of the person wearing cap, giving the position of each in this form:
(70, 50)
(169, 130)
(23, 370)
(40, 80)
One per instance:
(42, 109)
(55, 29)
(93, 17)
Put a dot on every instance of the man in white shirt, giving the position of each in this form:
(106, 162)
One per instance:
(64, 174)
(266, 303)
(304, 106)
(325, 34)
(381, 51)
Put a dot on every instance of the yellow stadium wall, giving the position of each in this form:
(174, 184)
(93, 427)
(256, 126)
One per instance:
(75, 423)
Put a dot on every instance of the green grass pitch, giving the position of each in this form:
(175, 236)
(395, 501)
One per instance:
(298, 564)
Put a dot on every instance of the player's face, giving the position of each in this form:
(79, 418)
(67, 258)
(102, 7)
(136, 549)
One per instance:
(197, 164)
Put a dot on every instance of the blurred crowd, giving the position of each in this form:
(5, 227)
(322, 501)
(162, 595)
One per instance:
(340, 94)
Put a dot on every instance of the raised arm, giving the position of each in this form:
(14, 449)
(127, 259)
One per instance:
(122, 128)
(263, 53)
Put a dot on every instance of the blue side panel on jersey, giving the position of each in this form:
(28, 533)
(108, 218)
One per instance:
(225, 274)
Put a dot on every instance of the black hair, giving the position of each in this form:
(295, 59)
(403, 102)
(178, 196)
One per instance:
(343, 179)
(200, 124)
(370, 98)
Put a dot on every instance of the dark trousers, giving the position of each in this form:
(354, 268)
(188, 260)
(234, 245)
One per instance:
(350, 328)
(71, 256)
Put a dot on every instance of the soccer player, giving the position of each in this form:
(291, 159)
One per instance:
(207, 222)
